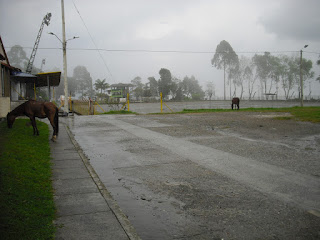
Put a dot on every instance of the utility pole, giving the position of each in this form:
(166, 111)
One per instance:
(64, 47)
(301, 79)
(224, 80)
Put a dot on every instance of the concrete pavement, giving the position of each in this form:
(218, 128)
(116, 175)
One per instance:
(85, 209)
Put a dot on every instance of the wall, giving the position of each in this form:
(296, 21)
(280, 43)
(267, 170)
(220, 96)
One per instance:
(4, 106)
(4, 91)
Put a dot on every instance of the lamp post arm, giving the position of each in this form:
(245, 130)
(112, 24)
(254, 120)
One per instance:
(51, 33)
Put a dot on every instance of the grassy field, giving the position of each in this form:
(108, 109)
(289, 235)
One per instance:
(26, 196)
(119, 112)
(311, 114)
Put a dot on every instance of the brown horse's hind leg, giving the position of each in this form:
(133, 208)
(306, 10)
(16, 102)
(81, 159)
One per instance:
(34, 125)
(54, 135)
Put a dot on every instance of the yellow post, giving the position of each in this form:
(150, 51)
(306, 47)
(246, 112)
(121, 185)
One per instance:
(100, 107)
(34, 89)
(89, 107)
(161, 101)
(128, 101)
(70, 103)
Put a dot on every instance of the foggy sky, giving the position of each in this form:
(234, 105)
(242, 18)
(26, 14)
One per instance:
(278, 26)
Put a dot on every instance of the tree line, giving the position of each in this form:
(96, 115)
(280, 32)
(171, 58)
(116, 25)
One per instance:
(270, 73)
(261, 74)
(170, 87)
(81, 83)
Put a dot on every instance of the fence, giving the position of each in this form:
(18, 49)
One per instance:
(82, 107)
(89, 107)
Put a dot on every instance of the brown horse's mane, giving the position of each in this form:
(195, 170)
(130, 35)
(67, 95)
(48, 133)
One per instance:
(19, 111)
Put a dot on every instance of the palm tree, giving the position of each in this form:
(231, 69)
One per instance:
(102, 85)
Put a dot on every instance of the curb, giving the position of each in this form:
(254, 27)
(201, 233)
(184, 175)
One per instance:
(115, 208)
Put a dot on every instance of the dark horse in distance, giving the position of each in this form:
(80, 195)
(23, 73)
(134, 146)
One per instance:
(33, 109)
(235, 101)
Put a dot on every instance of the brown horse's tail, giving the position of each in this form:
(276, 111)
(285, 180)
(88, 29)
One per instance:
(56, 120)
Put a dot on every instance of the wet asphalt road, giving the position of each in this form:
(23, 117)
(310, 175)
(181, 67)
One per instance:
(208, 176)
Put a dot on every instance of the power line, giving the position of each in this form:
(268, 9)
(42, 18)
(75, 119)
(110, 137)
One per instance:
(105, 64)
(166, 51)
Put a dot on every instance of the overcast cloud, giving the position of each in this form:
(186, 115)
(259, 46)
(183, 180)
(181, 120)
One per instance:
(294, 20)
(173, 25)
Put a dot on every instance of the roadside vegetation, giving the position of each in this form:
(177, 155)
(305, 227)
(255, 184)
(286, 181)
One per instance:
(310, 114)
(119, 112)
(27, 208)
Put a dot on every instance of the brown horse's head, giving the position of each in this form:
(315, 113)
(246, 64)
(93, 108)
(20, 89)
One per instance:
(10, 120)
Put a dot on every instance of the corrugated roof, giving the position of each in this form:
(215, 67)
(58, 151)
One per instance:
(54, 78)
(23, 77)
(122, 85)
(41, 79)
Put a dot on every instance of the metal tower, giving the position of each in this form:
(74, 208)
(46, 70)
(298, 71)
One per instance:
(45, 21)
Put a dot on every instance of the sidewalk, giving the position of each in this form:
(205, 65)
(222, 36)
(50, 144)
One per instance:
(85, 209)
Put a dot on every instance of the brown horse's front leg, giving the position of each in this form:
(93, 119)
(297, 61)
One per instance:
(34, 125)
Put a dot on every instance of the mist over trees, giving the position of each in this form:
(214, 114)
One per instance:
(138, 90)
(263, 74)
(170, 87)
(225, 58)
(80, 82)
(84, 81)
(18, 57)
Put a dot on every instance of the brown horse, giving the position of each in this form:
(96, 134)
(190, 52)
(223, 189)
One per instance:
(33, 109)
(235, 101)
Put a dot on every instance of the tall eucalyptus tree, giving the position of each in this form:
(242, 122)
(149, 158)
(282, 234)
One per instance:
(224, 58)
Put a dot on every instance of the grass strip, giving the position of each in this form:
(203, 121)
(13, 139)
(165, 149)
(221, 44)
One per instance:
(119, 112)
(311, 114)
(27, 207)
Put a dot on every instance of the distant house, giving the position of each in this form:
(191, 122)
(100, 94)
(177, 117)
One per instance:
(4, 82)
(120, 90)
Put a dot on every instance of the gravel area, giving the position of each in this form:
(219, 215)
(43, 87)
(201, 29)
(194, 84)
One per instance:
(168, 192)
(287, 143)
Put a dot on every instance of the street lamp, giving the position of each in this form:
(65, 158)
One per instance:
(60, 39)
(64, 48)
(301, 80)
